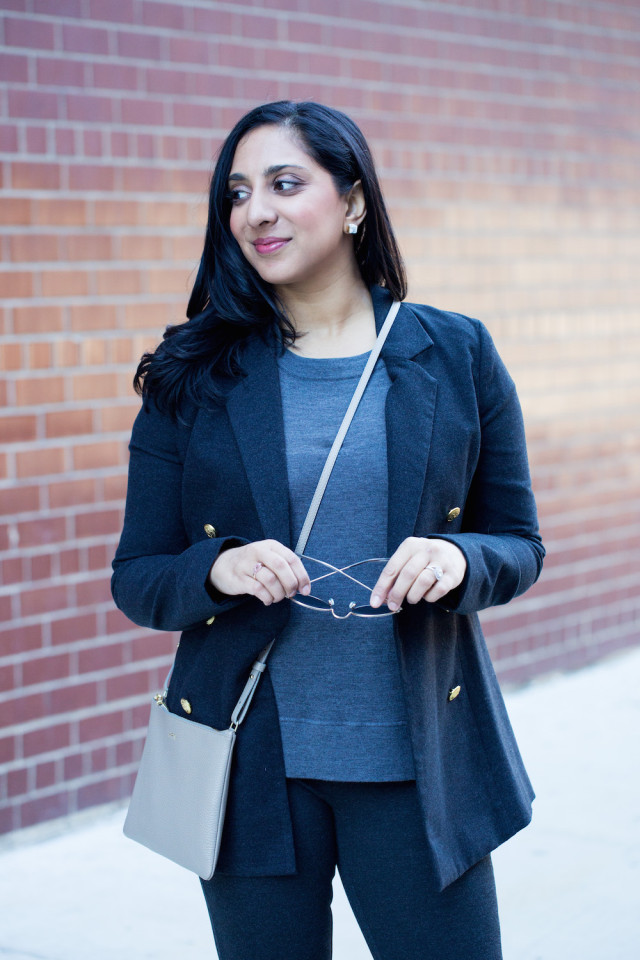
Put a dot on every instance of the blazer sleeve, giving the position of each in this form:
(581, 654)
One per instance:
(499, 538)
(159, 577)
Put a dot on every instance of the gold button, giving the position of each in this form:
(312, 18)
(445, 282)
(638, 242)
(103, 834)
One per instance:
(186, 706)
(210, 621)
(210, 530)
(451, 515)
(453, 693)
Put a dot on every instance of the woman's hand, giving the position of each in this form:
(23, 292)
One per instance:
(266, 569)
(422, 568)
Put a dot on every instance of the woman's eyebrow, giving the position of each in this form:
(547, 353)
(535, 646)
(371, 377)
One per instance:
(269, 172)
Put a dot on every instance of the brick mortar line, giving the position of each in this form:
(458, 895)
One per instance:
(465, 94)
(589, 614)
(380, 115)
(570, 624)
(77, 716)
(63, 579)
(328, 20)
(576, 417)
(123, 705)
(63, 266)
(44, 549)
(55, 756)
(78, 542)
(569, 54)
(74, 612)
(62, 753)
(442, 6)
(45, 480)
(445, 7)
(435, 182)
(596, 233)
(78, 782)
(101, 675)
(597, 511)
(551, 605)
(559, 284)
(565, 629)
(88, 779)
(48, 479)
(68, 510)
(116, 231)
(560, 598)
(560, 649)
(75, 647)
(551, 469)
(38, 373)
(77, 300)
(567, 643)
(391, 176)
(93, 405)
(63, 788)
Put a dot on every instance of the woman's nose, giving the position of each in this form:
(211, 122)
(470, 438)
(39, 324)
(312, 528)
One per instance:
(259, 209)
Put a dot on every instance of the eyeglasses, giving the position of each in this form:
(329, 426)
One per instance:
(355, 609)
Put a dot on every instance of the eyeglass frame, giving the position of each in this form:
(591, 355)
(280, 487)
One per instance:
(330, 602)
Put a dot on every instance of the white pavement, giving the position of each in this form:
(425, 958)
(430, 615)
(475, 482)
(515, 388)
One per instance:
(569, 885)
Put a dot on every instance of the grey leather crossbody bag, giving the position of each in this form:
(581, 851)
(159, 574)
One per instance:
(180, 795)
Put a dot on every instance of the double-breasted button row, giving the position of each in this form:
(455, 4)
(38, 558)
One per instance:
(453, 693)
(453, 514)
(186, 706)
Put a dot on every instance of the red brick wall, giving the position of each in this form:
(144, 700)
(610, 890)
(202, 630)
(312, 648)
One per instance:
(506, 133)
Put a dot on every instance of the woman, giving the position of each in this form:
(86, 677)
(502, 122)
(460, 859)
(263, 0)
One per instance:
(377, 743)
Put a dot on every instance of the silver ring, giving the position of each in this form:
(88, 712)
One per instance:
(257, 567)
(437, 571)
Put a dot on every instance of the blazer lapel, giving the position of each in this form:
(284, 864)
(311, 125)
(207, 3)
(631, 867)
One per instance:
(410, 410)
(254, 407)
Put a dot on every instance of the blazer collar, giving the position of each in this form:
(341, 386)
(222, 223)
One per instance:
(407, 337)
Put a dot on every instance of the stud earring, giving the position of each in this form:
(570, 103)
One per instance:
(352, 228)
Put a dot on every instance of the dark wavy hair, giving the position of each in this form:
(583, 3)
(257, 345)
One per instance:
(230, 302)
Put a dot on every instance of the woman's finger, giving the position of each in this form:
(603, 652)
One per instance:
(275, 572)
(283, 568)
(388, 576)
(423, 584)
(400, 572)
(412, 570)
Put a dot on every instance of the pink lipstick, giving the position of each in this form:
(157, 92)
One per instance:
(269, 244)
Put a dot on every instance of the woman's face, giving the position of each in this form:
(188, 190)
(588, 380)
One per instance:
(286, 214)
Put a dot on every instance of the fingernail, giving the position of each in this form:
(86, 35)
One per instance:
(376, 600)
(392, 605)
(306, 589)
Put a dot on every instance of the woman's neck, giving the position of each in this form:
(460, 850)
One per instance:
(337, 321)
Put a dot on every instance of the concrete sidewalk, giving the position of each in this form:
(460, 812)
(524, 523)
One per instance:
(569, 885)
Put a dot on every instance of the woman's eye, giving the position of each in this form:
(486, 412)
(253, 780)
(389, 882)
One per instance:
(238, 194)
(285, 186)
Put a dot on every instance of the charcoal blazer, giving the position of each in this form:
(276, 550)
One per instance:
(457, 469)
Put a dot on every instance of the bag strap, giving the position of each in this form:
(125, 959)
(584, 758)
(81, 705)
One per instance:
(312, 512)
(344, 426)
(242, 706)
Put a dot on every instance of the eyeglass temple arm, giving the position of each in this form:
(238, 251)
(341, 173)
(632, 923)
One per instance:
(334, 570)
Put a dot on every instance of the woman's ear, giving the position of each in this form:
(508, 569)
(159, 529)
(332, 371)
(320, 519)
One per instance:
(356, 209)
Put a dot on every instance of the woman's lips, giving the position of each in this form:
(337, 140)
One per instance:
(269, 244)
